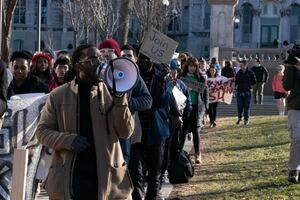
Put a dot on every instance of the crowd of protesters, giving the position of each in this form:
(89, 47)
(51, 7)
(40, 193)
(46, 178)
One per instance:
(142, 129)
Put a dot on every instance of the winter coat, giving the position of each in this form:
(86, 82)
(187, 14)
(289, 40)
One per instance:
(58, 126)
(245, 80)
(291, 81)
(261, 73)
(31, 85)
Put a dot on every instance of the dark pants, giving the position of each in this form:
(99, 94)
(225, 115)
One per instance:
(212, 111)
(243, 104)
(190, 125)
(154, 154)
(85, 188)
(136, 170)
(171, 145)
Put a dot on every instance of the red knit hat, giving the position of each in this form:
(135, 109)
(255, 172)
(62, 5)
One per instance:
(112, 44)
(37, 55)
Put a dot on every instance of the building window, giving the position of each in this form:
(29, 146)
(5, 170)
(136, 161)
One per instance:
(18, 45)
(206, 22)
(247, 17)
(173, 25)
(295, 22)
(43, 11)
(20, 12)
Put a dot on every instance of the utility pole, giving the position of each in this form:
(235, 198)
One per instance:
(39, 16)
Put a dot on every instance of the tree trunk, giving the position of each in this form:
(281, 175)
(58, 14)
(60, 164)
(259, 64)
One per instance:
(125, 10)
(75, 42)
(7, 28)
(86, 34)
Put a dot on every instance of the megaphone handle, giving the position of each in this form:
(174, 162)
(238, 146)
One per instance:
(113, 77)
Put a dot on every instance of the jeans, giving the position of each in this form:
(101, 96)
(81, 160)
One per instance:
(136, 170)
(243, 104)
(212, 111)
(294, 128)
(154, 154)
(258, 90)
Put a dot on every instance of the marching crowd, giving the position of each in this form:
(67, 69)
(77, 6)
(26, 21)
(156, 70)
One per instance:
(108, 146)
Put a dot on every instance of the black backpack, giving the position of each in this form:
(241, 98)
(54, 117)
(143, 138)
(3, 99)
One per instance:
(181, 169)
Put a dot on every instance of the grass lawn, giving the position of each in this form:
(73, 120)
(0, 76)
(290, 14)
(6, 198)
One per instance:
(243, 162)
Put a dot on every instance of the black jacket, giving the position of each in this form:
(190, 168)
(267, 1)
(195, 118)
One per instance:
(228, 72)
(3, 89)
(31, 85)
(261, 73)
(244, 80)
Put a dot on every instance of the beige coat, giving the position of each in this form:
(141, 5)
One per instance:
(58, 127)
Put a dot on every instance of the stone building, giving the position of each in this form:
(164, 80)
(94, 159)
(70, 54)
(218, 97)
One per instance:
(257, 24)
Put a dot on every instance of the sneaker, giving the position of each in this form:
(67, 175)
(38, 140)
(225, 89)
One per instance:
(246, 122)
(238, 121)
(214, 124)
(293, 176)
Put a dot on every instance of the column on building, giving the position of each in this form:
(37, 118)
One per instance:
(256, 29)
(221, 28)
(284, 30)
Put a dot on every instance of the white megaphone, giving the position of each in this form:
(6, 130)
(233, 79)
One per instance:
(121, 75)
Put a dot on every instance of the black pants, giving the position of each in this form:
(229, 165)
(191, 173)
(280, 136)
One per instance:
(171, 146)
(190, 125)
(154, 154)
(212, 111)
(85, 188)
(136, 170)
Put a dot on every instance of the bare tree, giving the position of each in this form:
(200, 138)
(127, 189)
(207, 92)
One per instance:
(9, 7)
(154, 13)
(125, 11)
(105, 16)
(73, 11)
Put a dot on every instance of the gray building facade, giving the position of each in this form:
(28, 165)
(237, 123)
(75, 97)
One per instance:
(262, 24)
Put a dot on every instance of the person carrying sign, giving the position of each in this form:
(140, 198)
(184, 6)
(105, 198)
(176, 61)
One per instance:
(178, 114)
(199, 100)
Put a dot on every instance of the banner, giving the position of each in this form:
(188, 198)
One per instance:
(220, 89)
(196, 86)
(158, 46)
(17, 131)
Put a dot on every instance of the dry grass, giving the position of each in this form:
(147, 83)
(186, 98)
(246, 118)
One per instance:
(242, 162)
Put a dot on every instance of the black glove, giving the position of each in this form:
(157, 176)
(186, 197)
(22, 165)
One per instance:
(79, 144)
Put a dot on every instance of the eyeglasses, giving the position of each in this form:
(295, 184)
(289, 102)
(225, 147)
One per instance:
(106, 50)
(94, 60)
(127, 55)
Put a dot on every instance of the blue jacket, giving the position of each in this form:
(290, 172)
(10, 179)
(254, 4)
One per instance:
(155, 122)
(174, 111)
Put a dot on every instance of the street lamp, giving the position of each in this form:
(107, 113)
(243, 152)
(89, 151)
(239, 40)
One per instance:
(236, 22)
(166, 2)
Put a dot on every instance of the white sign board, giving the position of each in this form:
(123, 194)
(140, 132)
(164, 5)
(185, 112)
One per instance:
(158, 46)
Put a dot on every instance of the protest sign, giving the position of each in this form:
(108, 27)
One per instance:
(18, 130)
(220, 89)
(158, 46)
(196, 86)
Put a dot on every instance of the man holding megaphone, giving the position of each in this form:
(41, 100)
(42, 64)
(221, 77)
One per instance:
(82, 123)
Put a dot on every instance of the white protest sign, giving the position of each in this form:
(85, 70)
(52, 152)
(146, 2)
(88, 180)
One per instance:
(158, 46)
(220, 89)
(18, 129)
